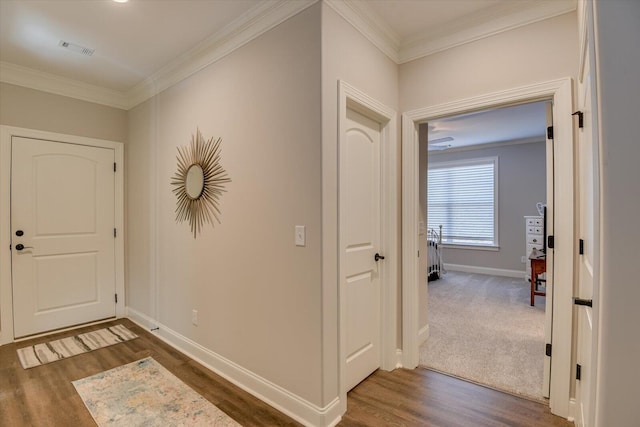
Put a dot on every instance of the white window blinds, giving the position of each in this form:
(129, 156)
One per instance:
(462, 197)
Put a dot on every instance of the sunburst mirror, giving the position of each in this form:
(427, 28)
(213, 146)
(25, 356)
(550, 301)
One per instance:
(199, 182)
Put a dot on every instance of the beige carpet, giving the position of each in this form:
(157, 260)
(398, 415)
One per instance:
(483, 329)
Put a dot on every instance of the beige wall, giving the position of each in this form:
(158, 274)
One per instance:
(34, 109)
(521, 184)
(258, 295)
(350, 57)
(539, 52)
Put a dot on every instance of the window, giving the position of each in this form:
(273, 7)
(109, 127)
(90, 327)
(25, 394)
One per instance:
(462, 197)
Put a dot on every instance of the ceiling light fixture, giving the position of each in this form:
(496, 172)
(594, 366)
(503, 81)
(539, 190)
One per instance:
(120, 1)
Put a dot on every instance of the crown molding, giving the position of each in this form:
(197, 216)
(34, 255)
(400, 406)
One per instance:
(253, 23)
(269, 13)
(369, 25)
(47, 82)
(494, 20)
(241, 31)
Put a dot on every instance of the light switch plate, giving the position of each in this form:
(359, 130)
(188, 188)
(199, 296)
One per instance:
(301, 235)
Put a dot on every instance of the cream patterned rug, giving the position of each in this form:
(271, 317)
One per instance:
(51, 351)
(144, 393)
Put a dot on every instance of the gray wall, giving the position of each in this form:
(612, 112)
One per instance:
(521, 184)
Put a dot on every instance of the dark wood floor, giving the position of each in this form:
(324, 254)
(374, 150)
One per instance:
(44, 396)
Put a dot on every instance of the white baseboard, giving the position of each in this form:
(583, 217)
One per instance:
(485, 270)
(399, 359)
(572, 410)
(283, 400)
(423, 334)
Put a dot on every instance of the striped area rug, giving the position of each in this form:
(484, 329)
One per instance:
(51, 351)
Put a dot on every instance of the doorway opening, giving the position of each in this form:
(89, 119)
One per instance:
(562, 262)
(485, 179)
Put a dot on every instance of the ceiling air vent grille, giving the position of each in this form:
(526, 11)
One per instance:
(76, 48)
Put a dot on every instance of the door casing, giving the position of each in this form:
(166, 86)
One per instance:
(6, 134)
(560, 91)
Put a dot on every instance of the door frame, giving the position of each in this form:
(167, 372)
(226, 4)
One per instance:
(6, 135)
(560, 91)
(350, 97)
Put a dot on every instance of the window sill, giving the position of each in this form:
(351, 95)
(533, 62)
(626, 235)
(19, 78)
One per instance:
(472, 247)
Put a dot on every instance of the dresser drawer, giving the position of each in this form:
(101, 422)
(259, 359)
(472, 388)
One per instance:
(538, 222)
(531, 246)
(536, 239)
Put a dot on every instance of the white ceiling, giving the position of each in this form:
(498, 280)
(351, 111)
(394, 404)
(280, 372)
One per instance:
(525, 122)
(131, 40)
(144, 46)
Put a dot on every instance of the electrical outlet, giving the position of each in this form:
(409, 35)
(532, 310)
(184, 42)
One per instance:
(194, 317)
(523, 259)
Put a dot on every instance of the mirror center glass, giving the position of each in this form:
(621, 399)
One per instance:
(194, 181)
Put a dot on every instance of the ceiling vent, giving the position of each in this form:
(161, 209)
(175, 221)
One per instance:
(76, 48)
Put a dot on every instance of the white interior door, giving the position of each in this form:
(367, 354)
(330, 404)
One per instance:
(360, 231)
(62, 234)
(587, 216)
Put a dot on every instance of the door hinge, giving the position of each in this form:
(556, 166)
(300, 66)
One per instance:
(584, 302)
(418, 254)
(550, 132)
(547, 350)
(581, 247)
(550, 242)
(578, 372)
(580, 115)
(114, 166)
(116, 295)
(115, 232)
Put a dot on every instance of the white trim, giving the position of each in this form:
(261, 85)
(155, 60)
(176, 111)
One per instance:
(370, 25)
(350, 97)
(561, 93)
(502, 17)
(485, 270)
(47, 82)
(6, 133)
(572, 410)
(487, 145)
(255, 22)
(278, 397)
(498, 19)
(494, 248)
(423, 334)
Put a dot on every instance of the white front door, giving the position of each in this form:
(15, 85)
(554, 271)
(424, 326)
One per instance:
(360, 231)
(62, 234)
(587, 217)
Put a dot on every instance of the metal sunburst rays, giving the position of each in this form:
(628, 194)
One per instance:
(206, 207)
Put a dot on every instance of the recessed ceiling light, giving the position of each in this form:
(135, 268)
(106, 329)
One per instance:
(120, 1)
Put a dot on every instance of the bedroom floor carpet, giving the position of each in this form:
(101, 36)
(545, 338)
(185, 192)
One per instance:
(482, 328)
